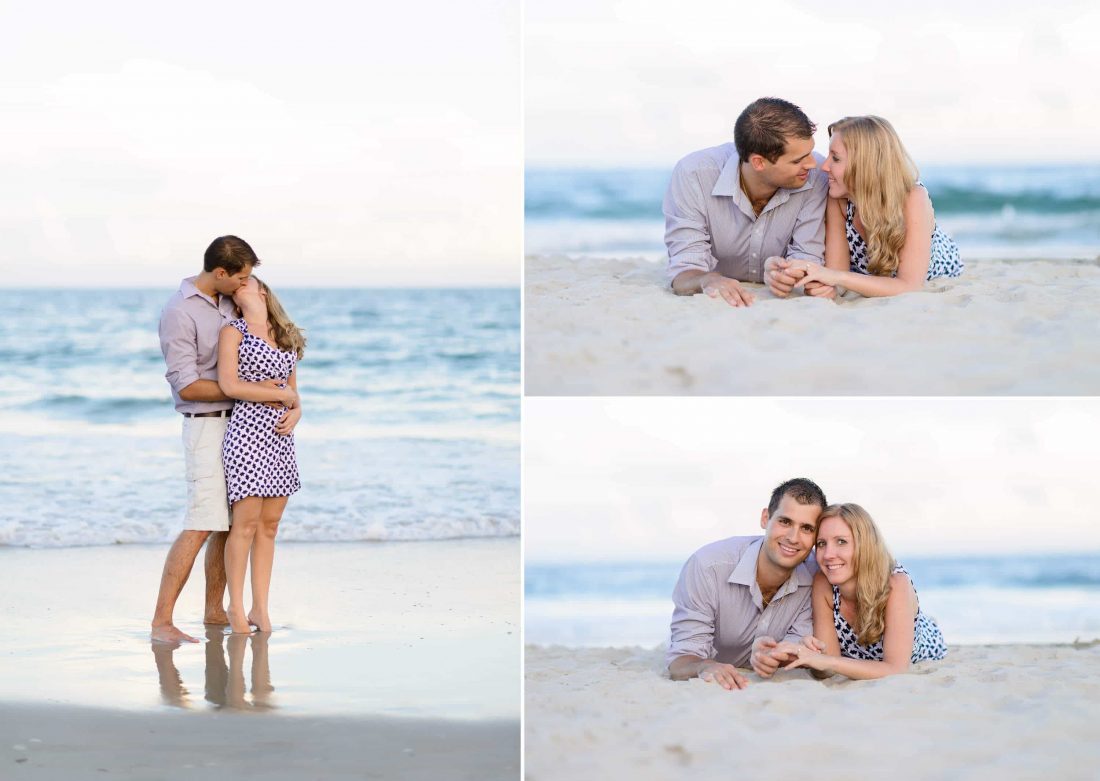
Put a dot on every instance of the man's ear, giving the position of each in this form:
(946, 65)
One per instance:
(757, 162)
(220, 273)
(764, 518)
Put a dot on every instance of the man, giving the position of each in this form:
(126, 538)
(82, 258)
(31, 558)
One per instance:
(735, 597)
(742, 212)
(189, 328)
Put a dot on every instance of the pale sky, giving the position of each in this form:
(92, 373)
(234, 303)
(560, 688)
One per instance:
(350, 144)
(643, 82)
(656, 478)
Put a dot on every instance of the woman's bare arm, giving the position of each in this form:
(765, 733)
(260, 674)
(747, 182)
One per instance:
(229, 342)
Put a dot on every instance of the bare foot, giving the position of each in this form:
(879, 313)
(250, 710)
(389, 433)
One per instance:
(259, 620)
(215, 617)
(166, 633)
(238, 623)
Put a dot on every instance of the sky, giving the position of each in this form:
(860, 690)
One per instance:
(349, 144)
(641, 82)
(656, 478)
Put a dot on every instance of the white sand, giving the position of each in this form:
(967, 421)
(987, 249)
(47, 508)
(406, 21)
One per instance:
(998, 712)
(387, 660)
(612, 327)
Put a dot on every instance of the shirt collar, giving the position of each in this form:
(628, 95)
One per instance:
(224, 304)
(729, 180)
(744, 574)
(729, 186)
(188, 289)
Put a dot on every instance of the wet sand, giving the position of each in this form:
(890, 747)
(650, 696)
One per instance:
(399, 659)
(64, 742)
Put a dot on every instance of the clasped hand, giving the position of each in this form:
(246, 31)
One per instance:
(290, 403)
(768, 655)
(782, 276)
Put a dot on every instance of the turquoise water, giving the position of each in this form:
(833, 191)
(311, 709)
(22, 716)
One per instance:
(991, 599)
(410, 427)
(991, 211)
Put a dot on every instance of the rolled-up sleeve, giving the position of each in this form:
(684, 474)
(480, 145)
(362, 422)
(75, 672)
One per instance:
(687, 236)
(696, 604)
(180, 347)
(808, 237)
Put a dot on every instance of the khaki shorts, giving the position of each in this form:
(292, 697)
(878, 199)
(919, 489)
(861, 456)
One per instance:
(207, 505)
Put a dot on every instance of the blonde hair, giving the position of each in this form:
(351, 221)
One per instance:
(287, 335)
(872, 564)
(879, 176)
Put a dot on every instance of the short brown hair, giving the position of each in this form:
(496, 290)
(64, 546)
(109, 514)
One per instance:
(765, 125)
(230, 253)
(800, 489)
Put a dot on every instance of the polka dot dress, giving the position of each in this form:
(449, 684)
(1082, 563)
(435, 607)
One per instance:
(944, 261)
(259, 462)
(927, 638)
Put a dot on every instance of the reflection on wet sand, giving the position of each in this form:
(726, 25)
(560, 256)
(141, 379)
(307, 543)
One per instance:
(224, 685)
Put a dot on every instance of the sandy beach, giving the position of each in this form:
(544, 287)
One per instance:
(1005, 712)
(599, 326)
(387, 660)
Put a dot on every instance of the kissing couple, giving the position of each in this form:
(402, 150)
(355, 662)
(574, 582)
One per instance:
(232, 354)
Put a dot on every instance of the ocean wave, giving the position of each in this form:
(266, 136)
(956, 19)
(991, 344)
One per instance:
(13, 535)
(636, 195)
(92, 408)
(655, 580)
(950, 199)
(79, 485)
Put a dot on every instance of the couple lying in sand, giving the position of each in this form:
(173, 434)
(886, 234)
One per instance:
(762, 602)
(232, 355)
(767, 209)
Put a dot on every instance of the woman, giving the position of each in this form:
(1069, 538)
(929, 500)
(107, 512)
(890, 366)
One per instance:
(881, 236)
(867, 620)
(258, 450)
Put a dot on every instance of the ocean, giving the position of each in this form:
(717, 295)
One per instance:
(1005, 212)
(410, 427)
(975, 600)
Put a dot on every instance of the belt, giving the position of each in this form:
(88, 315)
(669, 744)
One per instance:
(222, 413)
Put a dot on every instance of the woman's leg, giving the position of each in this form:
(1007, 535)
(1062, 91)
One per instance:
(246, 519)
(234, 688)
(263, 558)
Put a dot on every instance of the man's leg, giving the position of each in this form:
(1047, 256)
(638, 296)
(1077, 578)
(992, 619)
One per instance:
(172, 690)
(177, 568)
(207, 509)
(214, 565)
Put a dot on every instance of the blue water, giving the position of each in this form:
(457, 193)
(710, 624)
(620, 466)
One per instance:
(991, 211)
(1036, 598)
(410, 427)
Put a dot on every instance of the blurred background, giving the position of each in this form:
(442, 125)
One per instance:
(358, 146)
(986, 99)
(989, 503)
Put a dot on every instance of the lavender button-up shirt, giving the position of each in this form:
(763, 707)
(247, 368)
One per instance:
(710, 224)
(189, 328)
(719, 609)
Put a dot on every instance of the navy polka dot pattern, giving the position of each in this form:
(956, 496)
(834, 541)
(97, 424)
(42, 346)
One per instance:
(927, 638)
(259, 462)
(944, 261)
